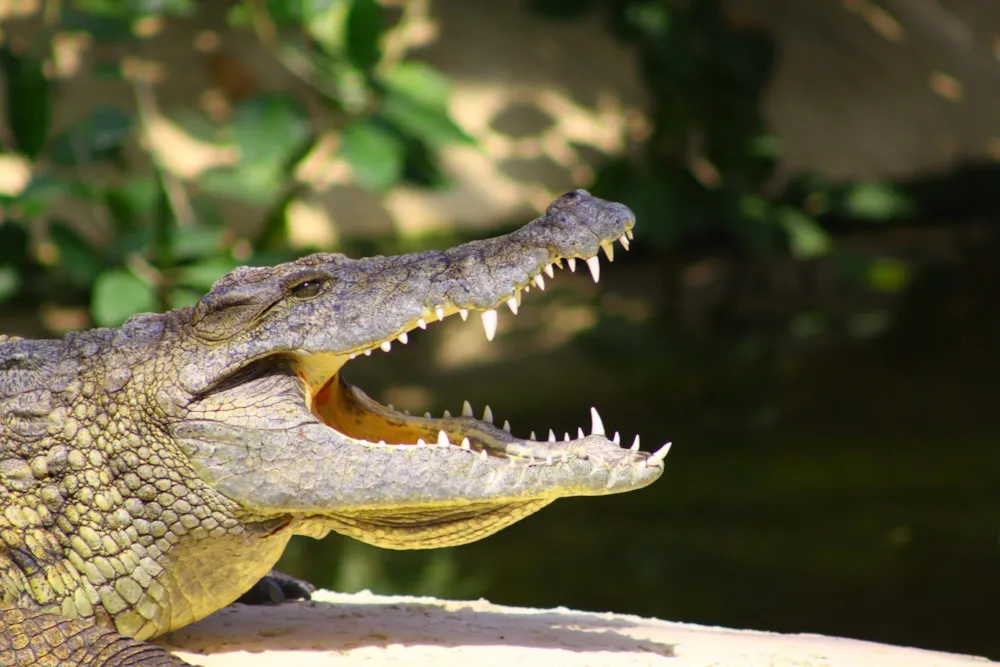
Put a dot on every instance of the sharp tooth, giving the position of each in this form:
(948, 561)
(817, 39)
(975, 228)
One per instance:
(466, 445)
(597, 426)
(628, 233)
(386, 346)
(446, 414)
(552, 435)
(422, 323)
(512, 304)
(538, 280)
(488, 415)
(579, 434)
(464, 313)
(490, 323)
(382, 442)
(550, 271)
(390, 406)
(368, 353)
(421, 443)
(594, 265)
(609, 250)
(402, 338)
(352, 355)
(482, 454)
(406, 412)
(565, 437)
(466, 409)
(572, 263)
(427, 415)
(558, 262)
(532, 436)
(658, 455)
(527, 288)
(635, 443)
(439, 311)
(617, 439)
(624, 241)
(506, 425)
(443, 440)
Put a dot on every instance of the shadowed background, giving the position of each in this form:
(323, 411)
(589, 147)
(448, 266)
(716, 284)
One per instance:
(808, 312)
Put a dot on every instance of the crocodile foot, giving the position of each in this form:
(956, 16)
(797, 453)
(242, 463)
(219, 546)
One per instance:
(277, 587)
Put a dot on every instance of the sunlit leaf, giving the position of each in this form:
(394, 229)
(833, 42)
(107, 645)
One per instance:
(118, 294)
(805, 236)
(202, 275)
(887, 274)
(876, 201)
(429, 124)
(374, 153)
(419, 82)
(267, 128)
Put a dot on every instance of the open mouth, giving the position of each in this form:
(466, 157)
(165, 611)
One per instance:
(356, 416)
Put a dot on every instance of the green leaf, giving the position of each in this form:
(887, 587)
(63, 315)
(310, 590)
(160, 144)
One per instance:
(13, 244)
(10, 282)
(375, 154)
(421, 83)
(876, 201)
(431, 125)
(95, 138)
(256, 184)
(195, 242)
(805, 236)
(80, 261)
(130, 204)
(119, 294)
(267, 128)
(29, 108)
(364, 27)
(202, 276)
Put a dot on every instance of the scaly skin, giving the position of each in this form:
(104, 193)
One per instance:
(151, 474)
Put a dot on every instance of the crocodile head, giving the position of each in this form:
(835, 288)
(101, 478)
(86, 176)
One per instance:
(272, 423)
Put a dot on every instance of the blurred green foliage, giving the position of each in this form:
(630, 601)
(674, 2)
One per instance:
(152, 243)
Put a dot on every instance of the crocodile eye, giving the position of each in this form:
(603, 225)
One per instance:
(307, 289)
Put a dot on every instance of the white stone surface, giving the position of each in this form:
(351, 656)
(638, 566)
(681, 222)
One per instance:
(339, 629)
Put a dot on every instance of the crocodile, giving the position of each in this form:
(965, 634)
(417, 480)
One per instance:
(151, 474)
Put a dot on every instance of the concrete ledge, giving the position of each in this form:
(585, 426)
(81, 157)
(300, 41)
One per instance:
(365, 629)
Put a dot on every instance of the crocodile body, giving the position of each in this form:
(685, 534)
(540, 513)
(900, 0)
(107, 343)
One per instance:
(151, 474)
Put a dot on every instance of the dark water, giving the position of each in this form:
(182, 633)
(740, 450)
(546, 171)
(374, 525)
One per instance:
(851, 490)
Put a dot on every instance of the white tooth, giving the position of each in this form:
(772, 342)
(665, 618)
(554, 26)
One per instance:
(548, 459)
(538, 280)
(572, 263)
(464, 313)
(466, 445)
(552, 435)
(512, 304)
(386, 346)
(466, 409)
(382, 442)
(628, 233)
(368, 353)
(422, 323)
(550, 272)
(352, 355)
(617, 439)
(490, 323)
(609, 250)
(482, 454)
(532, 436)
(594, 265)
(565, 437)
(506, 425)
(389, 405)
(624, 241)
(579, 434)
(658, 455)
(439, 311)
(406, 412)
(488, 415)
(421, 443)
(635, 443)
(402, 338)
(446, 414)
(527, 288)
(443, 440)
(597, 426)
(427, 415)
